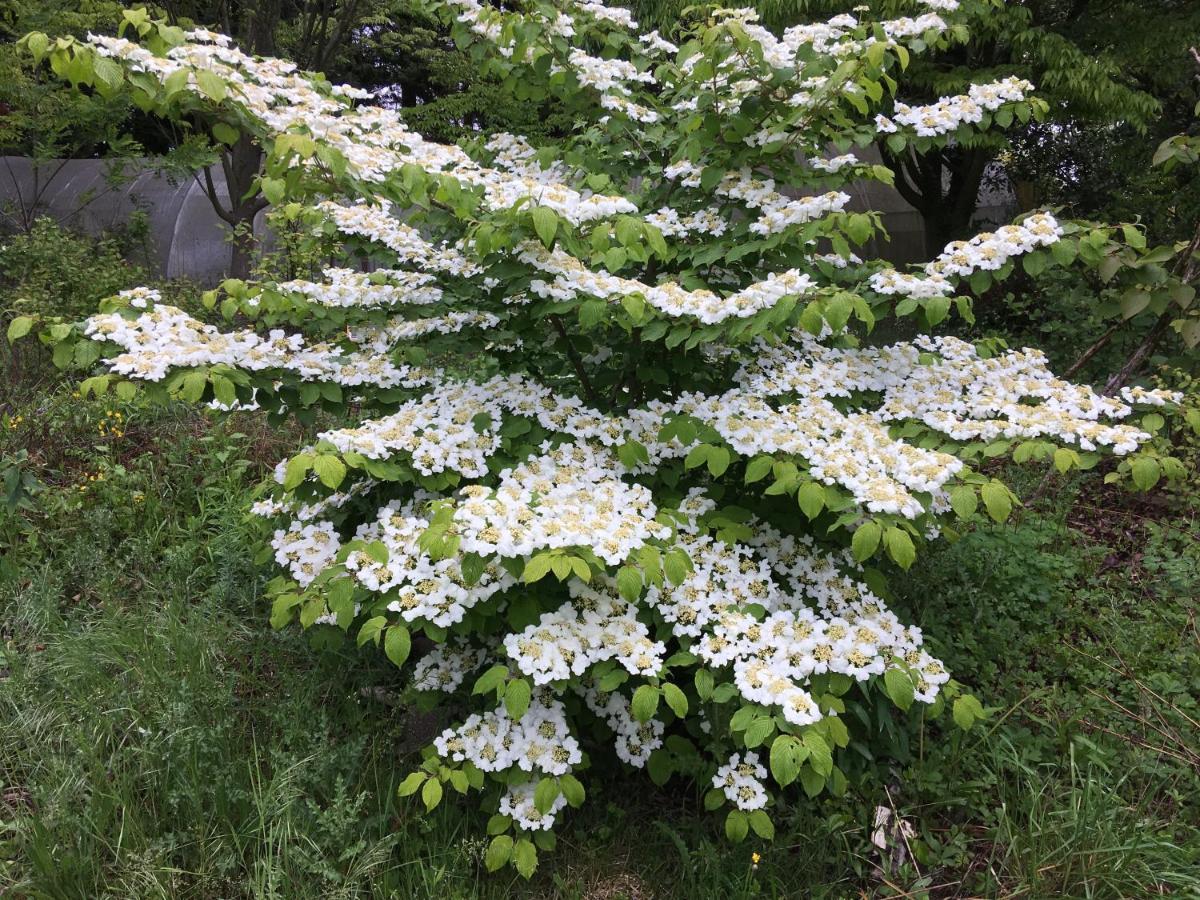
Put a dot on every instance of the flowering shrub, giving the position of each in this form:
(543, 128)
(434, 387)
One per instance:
(626, 464)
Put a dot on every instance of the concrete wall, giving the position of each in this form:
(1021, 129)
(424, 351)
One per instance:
(92, 196)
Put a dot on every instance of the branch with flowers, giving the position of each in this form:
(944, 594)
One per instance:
(631, 468)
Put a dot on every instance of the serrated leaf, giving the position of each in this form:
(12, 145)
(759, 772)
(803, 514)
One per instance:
(1145, 471)
(787, 756)
(996, 500)
(491, 679)
(762, 824)
(545, 223)
(736, 826)
(900, 546)
(19, 327)
(431, 794)
(498, 824)
(330, 470)
(820, 757)
(758, 468)
(629, 583)
(899, 687)
(865, 540)
(211, 84)
(525, 857)
(411, 784)
(812, 781)
(516, 698)
(963, 501)
(545, 794)
(676, 699)
(811, 497)
(499, 852)
(397, 644)
(572, 790)
(645, 703)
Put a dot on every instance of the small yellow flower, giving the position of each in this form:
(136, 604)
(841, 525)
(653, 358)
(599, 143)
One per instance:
(755, 858)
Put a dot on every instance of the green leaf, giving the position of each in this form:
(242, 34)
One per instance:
(537, 568)
(491, 679)
(516, 698)
(696, 456)
(996, 500)
(371, 629)
(431, 794)
(645, 703)
(899, 686)
(629, 583)
(525, 857)
(787, 756)
(676, 699)
(718, 461)
(19, 327)
(812, 781)
(411, 784)
(900, 546)
(966, 711)
(811, 497)
(498, 824)
(736, 826)
(819, 755)
(572, 790)
(865, 540)
(225, 133)
(274, 189)
(545, 223)
(762, 824)
(757, 468)
(545, 794)
(397, 644)
(963, 501)
(499, 852)
(1145, 471)
(330, 470)
(212, 85)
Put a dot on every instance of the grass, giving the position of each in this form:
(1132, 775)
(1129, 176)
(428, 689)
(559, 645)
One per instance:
(157, 739)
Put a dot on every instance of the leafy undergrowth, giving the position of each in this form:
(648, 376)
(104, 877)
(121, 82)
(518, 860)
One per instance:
(157, 739)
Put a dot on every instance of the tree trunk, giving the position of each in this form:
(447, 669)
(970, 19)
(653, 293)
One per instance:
(241, 260)
(240, 164)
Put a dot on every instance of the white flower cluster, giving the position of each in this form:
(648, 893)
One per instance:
(373, 140)
(634, 741)
(572, 277)
(419, 587)
(376, 224)
(592, 628)
(568, 497)
(961, 394)
(986, 252)
(382, 338)
(445, 666)
(165, 338)
(141, 297)
(344, 288)
(518, 803)
(818, 619)
(710, 222)
(776, 211)
(741, 780)
(540, 741)
(949, 113)
(305, 549)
